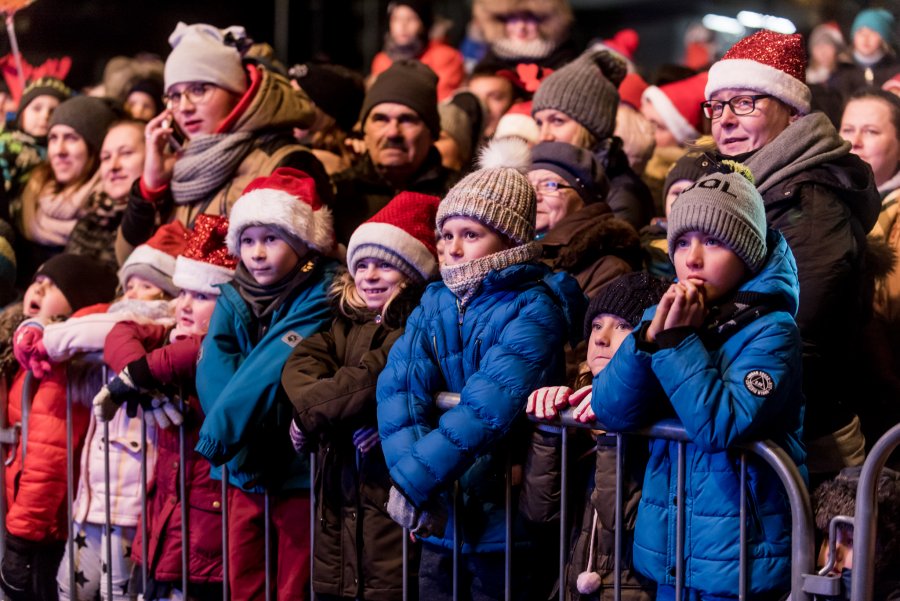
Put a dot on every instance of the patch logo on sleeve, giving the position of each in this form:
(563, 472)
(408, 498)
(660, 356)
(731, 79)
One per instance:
(292, 339)
(759, 383)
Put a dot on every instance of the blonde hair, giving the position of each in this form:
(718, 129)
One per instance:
(584, 139)
(636, 132)
(346, 297)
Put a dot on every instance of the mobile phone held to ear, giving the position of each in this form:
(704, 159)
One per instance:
(177, 137)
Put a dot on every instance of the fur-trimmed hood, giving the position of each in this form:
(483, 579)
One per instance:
(556, 17)
(588, 235)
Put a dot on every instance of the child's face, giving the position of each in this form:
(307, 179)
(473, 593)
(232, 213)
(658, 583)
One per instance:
(138, 288)
(68, 153)
(607, 334)
(266, 255)
(867, 41)
(44, 300)
(405, 25)
(140, 105)
(843, 550)
(677, 187)
(377, 282)
(466, 239)
(707, 263)
(193, 310)
(36, 116)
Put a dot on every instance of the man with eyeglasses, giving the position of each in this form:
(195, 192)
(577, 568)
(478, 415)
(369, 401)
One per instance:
(823, 199)
(226, 122)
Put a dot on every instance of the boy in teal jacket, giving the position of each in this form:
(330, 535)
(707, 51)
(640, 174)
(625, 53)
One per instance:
(278, 297)
(721, 351)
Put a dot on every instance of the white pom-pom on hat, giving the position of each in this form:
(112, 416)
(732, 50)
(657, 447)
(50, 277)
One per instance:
(510, 153)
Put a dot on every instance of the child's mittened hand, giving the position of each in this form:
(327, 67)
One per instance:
(581, 399)
(687, 307)
(104, 405)
(28, 347)
(365, 439)
(162, 412)
(401, 510)
(544, 403)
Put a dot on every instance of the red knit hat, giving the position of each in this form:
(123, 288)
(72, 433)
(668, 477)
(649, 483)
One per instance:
(155, 259)
(678, 104)
(631, 88)
(288, 200)
(205, 262)
(402, 233)
(766, 62)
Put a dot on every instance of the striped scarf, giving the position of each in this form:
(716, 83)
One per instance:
(207, 163)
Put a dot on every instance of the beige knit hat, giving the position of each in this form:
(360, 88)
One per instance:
(497, 195)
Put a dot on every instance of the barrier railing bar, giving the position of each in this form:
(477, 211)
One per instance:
(225, 566)
(456, 542)
(185, 506)
(563, 511)
(107, 506)
(70, 472)
(405, 560)
(144, 509)
(312, 520)
(832, 542)
(620, 518)
(679, 523)
(742, 573)
(862, 587)
(267, 538)
(507, 556)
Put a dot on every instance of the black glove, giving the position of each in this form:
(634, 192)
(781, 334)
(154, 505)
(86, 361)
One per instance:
(17, 568)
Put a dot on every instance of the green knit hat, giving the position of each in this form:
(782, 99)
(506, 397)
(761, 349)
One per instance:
(727, 206)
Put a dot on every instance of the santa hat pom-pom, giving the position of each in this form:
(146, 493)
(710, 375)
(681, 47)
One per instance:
(588, 582)
(510, 153)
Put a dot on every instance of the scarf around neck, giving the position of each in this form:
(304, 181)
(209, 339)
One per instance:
(263, 300)
(465, 279)
(207, 163)
(397, 52)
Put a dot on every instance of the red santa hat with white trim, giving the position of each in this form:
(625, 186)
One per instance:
(154, 260)
(766, 62)
(206, 262)
(678, 104)
(402, 233)
(286, 199)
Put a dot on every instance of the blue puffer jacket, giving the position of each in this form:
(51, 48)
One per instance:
(749, 388)
(239, 385)
(507, 342)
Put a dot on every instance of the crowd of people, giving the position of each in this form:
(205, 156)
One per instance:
(284, 263)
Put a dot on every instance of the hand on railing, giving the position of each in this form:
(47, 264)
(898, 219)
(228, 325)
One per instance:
(365, 439)
(162, 412)
(299, 439)
(28, 348)
(545, 403)
(157, 407)
(423, 523)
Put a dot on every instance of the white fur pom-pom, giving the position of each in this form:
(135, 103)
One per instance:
(588, 582)
(511, 153)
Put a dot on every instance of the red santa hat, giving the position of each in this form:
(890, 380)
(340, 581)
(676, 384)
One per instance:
(288, 200)
(631, 89)
(766, 62)
(206, 262)
(678, 104)
(623, 44)
(154, 260)
(402, 233)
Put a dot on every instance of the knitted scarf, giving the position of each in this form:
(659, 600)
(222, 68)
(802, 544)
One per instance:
(465, 279)
(263, 300)
(397, 52)
(807, 142)
(207, 163)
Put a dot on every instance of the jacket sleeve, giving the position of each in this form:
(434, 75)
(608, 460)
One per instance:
(139, 218)
(84, 334)
(720, 408)
(237, 392)
(323, 392)
(175, 362)
(626, 394)
(128, 341)
(527, 349)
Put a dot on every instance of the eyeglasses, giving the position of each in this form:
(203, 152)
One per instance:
(551, 188)
(196, 93)
(740, 105)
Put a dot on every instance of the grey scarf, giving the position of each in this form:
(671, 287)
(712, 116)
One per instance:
(809, 141)
(465, 279)
(207, 163)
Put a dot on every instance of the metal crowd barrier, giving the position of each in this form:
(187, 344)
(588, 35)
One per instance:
(804, 581)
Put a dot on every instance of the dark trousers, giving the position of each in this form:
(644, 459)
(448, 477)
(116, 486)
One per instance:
(480, 576)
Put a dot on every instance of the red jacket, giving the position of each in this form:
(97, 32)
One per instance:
(174, 363)
(36, 497)
(444, 60)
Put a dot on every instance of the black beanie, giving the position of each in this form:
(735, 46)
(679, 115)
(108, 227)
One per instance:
(411, 84)
(81, 279)
(88, 116)
(152, 87)
(577, 166)
(45, 86)
(691, 166)
(422, 8)
(628, 296)
(338, 91)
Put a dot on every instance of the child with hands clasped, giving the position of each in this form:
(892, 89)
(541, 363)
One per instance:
(279, 296)
(493, 330)
(611, 317)
(331, 377)
(722, 351)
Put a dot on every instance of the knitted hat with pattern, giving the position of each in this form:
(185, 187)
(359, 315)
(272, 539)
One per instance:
(205, 263)
(200, 53)
(627, 297)
(585, 90)
(45, 86)
(500, 197)
(726, 206)
(286, 199)
(154, 260)
(767, 62)
(402, 233)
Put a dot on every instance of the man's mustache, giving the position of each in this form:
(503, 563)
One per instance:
(394, 144)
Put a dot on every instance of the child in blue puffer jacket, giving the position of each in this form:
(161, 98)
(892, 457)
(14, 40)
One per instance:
(493, 330)
(722, 351)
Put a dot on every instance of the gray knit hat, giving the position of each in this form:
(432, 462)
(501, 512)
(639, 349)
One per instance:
(586, 90)
(500, 197)
(88, 116)
(727, 206)
(200, 53)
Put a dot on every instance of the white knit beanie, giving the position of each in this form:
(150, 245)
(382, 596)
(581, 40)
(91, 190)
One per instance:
(199, 53)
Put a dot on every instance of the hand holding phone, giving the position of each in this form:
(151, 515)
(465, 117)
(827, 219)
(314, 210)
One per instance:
(177, 137)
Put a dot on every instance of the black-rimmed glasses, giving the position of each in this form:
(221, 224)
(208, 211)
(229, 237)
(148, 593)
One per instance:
(740, 105)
